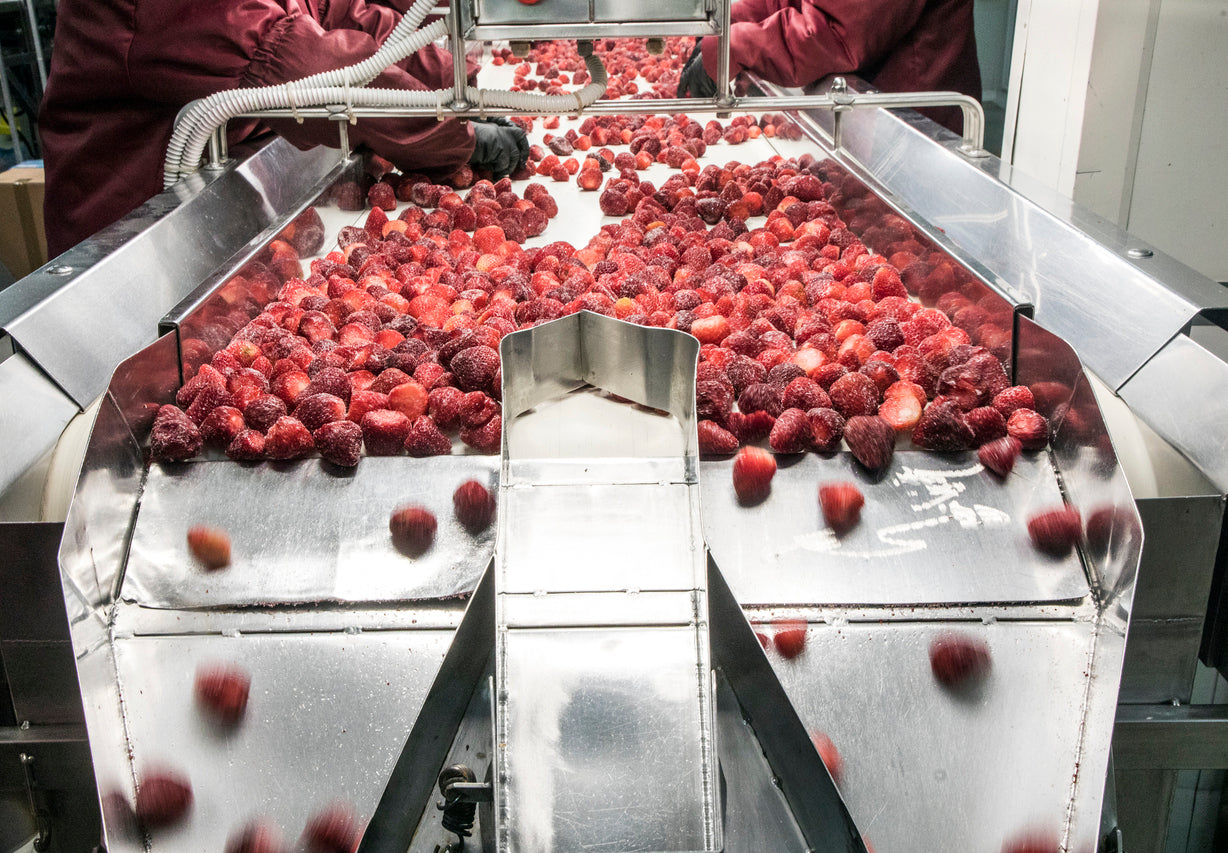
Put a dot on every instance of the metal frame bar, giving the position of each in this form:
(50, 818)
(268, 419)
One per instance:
(1171, 737)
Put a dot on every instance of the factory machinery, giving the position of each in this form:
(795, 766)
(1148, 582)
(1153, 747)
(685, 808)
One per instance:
(585, 674)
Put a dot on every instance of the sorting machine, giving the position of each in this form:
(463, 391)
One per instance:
(591, 661)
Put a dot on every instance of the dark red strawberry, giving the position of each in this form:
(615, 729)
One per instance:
(425, 439)
(262, 412)
(943, 428)
(288, 439)
(871, 440)
(221, 426)
(715, 440)
(791, 433)
(413, 528)
(383, 196)
(790, 638)
(486, 438)
(333, 830)
(1033, 841)
(210, 546)
(259, 836)
(841, 504)
(1000, 454)
(316, 410)
(384, 432)
(1030, 427)
(248, 446)
(1056, 531)
(760, 397)
(475, 368)
(854, 394)
(751, 427)
(339, 442)
(805, 394)
(826, 429)
(222, 690)
(753, 469)
(986, 424)
(958, 658)
(1015, 397)
(163, 797)
(174, 436)
(474, 506)
(444, 406)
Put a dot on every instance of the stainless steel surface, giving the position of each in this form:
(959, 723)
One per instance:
(580, 11)
(936, 529)
(76, 329)
(303, 532)
(593, 749)
(30, 429)
(1171, 737)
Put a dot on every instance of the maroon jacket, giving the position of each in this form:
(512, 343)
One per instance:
(898, 45)
(122, 69)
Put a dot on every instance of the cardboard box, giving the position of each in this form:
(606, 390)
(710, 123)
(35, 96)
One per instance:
(23, 240)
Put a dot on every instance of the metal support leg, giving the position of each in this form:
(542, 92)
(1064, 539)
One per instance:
(37, 44)
(722, 63)
(9, 114)
(460, 73)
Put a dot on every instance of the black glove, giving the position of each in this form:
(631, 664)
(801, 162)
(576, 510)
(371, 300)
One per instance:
(499, 148)
(694, 80)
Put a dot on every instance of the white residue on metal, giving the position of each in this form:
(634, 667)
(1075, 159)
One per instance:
(939, 486)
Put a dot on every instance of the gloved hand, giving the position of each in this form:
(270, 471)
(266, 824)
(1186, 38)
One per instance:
(498, 147)
(694, 80)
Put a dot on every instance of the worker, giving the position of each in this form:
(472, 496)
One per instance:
(122, 70)
(896, 45)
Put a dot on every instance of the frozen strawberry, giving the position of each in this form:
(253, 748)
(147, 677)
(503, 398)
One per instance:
(174, 437)
(382, 196)
(330, 380)
(287, 438)
(1030, 427)
(1015, 397)
(854, 394)
(339, 442)
(829, 754)
(957, 659)
(475, 368)
(425, 439)
(476, 409)
(942, 428)
(841, 504)
(760, 397)
(444, 406)
(209, 398)
(790, 639)
(753, 469)
(163, 797)
(388, 380)
(1055, 532)
(221, 426)
(333, 830)
(1033, 841)
(715, 440)
(413, 528)
(791, 433)
(713, 400)
(222, 690)
(986, 424)
(384, 432)
(826, 429)
(871, 440)
(751, 427)
(486, 437)
(317, 410)
(248, 446)
(474, 505)
(259, 836)
(805, 394)
(1000, 454)
(409, 398)
(289, 386)
(210, 546)
(902, 410)
(362, 402)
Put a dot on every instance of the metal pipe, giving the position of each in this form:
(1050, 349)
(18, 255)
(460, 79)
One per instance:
(37, 43)
(460, 76)
(725, 45)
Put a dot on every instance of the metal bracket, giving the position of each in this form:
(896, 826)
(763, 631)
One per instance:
(42, 817)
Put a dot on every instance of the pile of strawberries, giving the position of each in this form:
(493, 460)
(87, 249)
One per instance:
(631, 69)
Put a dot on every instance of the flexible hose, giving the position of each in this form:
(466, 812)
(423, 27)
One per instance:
(532, 102)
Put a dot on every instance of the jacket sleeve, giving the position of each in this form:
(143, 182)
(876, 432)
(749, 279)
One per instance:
(796, 43)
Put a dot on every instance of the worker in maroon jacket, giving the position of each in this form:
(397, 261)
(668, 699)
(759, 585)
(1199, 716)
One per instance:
(897, 45)
(122, 70)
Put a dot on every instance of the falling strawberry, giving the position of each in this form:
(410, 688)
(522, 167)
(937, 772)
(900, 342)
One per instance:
(1056, 531)
(259, 836)
(474, 506)
(841, 504)
(1000, 454)
(222, 691)
(753, 469)
(210, 545)
(163, 797)
(332, 830)
(829, 754)
(956, 659)
(413, 528)
(790, 639)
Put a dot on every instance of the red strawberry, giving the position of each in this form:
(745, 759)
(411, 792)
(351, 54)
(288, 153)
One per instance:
(830, 755)
(854, 394)
(902, 410)
(316, 410)
(210, 545)
(986, 424)
(248, 446)
(162, 798)
(222, 691)
(475, 368)
(871, 440)
(487, 438)
(221, 426)
(262, 412)
(425, 439)
(474, 505)
(826, 429)
(791, 433)
(1015, 397)
(943, 428)
(289, 386)
(383, 196)
(841, 504)
(409, 398)
(384, 432)
(751, 427)
(288, 439)
(444, 405)
(715, 440)
(333, 830)
(763, 640)
(1033, 841)
(413, 528)
(339, 442)
(257, 837)
(1000, 454)
(790, 639)
(753, 469)
(174, 436)
(1029, 427)
(1056, 531)
(957, 658)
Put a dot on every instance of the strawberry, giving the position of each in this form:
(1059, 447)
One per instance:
(384, 432)
(1012, 398)
(826, 429)
(957, 658)
(288, 439)
(316, 410)
(222, 692)
(474, 506)
(1030, 427)
(841, 504)
(382, 196)
(753, 469)
(333, 830)
(425, 439)
(829, 754)
(247, 446)
(444, 406)
(412, 528)
(760, 397)
(901, 410)
(1033, 841)
(715, 440)
(262, 412)
(791, 433)
(174, 437)
(409, 398)
(485, 438)
(790, 639)
(986, 424)
(1056, 531)
(221, 426)
(339, 442)
(257, 837)
(475, 368)
(210, 545)
(751, 427)
(805, 394)
(871, 440)
(942, 428)
(1000, 454)
(163, 797)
